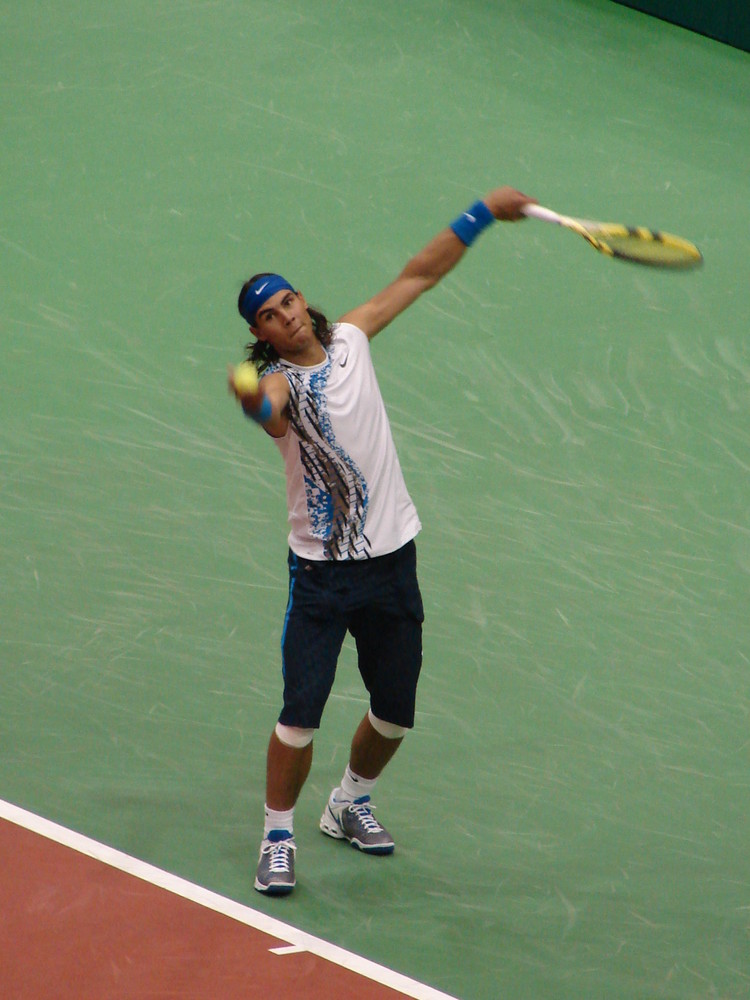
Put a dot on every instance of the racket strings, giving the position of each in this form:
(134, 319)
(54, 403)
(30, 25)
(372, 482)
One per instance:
(644, 246)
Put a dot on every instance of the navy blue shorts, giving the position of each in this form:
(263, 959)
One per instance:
(379, 603)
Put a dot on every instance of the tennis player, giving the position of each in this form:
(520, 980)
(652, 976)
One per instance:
(352, 556)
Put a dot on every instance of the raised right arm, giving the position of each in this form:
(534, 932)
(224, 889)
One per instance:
(431, 264)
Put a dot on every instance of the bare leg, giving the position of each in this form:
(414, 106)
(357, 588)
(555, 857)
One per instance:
(347, 815)
(370, 751)
(287, 769)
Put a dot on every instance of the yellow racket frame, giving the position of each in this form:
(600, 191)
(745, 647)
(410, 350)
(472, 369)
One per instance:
(634, 243)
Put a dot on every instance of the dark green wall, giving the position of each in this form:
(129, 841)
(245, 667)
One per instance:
(725, 20)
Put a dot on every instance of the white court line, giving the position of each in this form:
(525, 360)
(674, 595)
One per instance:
(288, 949)
(297, 940)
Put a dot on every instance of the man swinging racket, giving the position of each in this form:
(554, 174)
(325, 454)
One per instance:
(352, 559)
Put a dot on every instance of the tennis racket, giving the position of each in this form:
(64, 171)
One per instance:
(634, 243)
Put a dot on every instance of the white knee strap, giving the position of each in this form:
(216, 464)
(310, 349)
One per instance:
(386, 729)
(293, 736)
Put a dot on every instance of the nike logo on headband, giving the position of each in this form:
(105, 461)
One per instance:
(264, 287)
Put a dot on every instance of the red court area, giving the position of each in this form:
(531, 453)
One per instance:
(75, 927)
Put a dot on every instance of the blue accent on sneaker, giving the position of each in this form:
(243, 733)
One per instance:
(276, 835)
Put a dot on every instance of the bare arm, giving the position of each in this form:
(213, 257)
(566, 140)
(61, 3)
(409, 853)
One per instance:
(426, 269)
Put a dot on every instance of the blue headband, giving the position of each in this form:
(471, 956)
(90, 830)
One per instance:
(259, 292)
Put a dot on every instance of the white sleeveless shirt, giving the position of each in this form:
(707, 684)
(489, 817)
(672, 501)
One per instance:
(346, 494)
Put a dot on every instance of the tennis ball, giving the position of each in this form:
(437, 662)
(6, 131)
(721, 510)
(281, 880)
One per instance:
(246, 378)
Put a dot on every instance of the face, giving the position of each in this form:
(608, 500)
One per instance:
(284, 323)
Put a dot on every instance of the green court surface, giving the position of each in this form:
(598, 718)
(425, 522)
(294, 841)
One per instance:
(572, 809)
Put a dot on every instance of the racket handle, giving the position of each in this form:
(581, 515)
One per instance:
(539, 212)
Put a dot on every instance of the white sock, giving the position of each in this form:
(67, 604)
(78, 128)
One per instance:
(353, 786)
(275, 820)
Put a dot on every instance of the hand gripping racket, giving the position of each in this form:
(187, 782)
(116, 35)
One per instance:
(634, 243)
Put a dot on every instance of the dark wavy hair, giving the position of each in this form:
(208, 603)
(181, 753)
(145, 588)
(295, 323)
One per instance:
(261, 353)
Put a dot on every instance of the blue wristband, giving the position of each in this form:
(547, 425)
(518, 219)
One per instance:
(469, 225)
(263, 415)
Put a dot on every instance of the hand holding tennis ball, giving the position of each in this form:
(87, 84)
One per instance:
(244, 384)
(245, 379)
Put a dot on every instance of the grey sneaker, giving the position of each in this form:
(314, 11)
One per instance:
(354, 821)
(276, 864)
